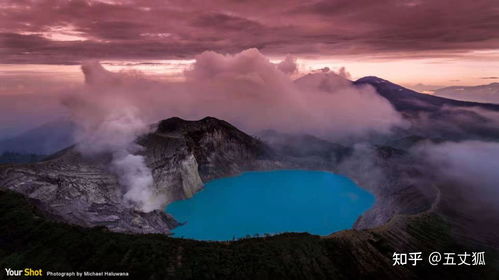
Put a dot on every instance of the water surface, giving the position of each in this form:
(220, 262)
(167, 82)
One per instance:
(271, 202)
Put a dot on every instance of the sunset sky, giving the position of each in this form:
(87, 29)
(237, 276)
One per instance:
(422, 44)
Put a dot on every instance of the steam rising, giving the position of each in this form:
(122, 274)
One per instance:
(109, 122)
(245, 89)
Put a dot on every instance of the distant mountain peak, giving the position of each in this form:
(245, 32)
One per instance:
(406, 100)
(371, 79)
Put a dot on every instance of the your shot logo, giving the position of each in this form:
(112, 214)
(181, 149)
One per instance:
(23, 272)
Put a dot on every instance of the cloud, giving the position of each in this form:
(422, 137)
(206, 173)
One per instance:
(466, 174)
(288, 65)
(253, 93)
(114, 29)
(249, 91)
(457, 123)
(246, 89)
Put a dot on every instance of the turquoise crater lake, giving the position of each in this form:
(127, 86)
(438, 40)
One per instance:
(271, 202)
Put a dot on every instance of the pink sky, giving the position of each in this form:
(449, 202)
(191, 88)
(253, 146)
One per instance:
(422, 44)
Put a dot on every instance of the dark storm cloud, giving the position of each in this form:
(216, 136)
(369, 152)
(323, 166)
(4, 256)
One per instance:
(37, 31)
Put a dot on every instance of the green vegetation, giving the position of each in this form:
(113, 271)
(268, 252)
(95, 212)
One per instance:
(27, 239)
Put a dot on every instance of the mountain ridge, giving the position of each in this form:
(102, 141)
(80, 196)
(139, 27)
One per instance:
(407, 100)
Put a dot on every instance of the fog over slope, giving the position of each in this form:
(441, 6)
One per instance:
(469, 163)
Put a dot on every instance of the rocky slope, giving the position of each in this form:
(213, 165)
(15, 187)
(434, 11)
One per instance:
(219, 148)
(181, 154)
